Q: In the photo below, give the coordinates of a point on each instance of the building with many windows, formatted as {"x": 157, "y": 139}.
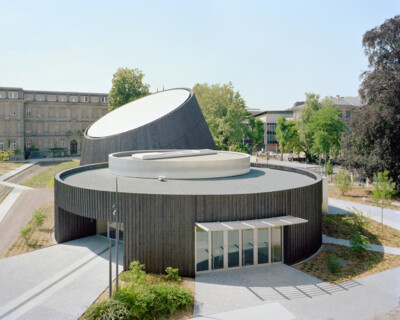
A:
{"x": 346, "y": 106}
{"x": 47, "y": 123}
{"x": 269, "y": 118}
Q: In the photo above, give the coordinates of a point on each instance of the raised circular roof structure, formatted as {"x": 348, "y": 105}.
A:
{"x": 138, "y": 113}
{"x": 169, "y": 119}
{"x": 179, "y": 164}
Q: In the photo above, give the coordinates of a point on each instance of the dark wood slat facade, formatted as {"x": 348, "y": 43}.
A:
{"x": 159, "y": 229}
{"x": 163, "y": 133}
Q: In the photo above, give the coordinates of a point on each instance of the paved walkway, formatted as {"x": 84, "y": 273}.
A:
{"x": 391, "y": 217}
{"x": 264, "y": 291}
{"x": 57, "y": 282}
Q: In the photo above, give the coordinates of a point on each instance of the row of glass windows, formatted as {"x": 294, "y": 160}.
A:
{"x": 237, "y": 248}
{"x": 42, "y": 97}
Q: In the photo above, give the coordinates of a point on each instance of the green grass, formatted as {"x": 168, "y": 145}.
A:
{"x": 45, "y": 179}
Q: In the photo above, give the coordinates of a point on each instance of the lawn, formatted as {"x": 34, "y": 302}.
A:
{"x": 343, "y": 226}
{"x": 8, "y": 166}
{"x": 45, "y": 179}
{"x": 39, "y": 237}
{"x": 336, "y": 264}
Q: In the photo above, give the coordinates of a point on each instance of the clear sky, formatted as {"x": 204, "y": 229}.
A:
{"x": 272, "y": 51}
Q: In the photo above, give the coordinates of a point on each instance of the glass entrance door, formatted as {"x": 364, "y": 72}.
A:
{"x": 237, "y": 248}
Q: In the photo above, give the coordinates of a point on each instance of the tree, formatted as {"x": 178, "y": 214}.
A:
{"x": 373, "y": 145}
{"x": 384, "y": 188}
{"x": 127, "y": 85}
{"x": 5, "y": 154}
{"x": 343, "y": 181}
{"x": 285, "y": 132}
{"x": 224, "y": 111}
{"x": 306, "y": 135}
{"x": 327, "y": 128}
{"x": 255, "y": 132}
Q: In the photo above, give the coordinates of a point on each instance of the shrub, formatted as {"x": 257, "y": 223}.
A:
{"x": 109, "y": 309}
{"x": 343, "y": 181}
{"x": 136, "y": 273}
{"x": 172, "y": 274}
{"x": 38, "y": 218}
{"x": 333, "y": 266}
{"x": 359, "y": 243}
{"x": 26, "y": 233}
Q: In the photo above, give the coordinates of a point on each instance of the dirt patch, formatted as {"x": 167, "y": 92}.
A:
{"x": 40, "y": 238}
{"x": 350, "y": 265}
{"x": 356, "y": 194}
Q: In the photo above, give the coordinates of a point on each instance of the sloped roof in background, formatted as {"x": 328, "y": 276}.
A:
{"x": 341, "y": 101}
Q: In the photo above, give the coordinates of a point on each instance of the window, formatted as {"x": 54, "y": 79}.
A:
{"x": 201, "y": 249}
{"x": 85, "y": 99}
{"x": 62, "y": 98}
{"x": 13, "y": 94}
{"x": 2, "y": 94}
{"x": 29, "y": 144}
{"x": 13, "y": 145}
{"x": 348, "y": 113}
{"x": 62, "y": 143}
{"x": 104, "y": 99}
{"x": 1, "y": 145}
{"x": 217, "y": 250}
{"x": 73, "y": 99}
{"x": 51, "y": 143}
{"x": 40, "y": 144}
{"x": 340, "y": 114}
{"x": 28, "y": 112}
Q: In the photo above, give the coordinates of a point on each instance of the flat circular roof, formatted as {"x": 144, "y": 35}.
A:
{"x": 138, "y": 113}
{"x": 258, "y": 180}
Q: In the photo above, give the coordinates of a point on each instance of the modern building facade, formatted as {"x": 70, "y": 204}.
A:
{"x": 47, "y": 123}
{"x": 197, "y": 210}
{"x": 270, "y": 118}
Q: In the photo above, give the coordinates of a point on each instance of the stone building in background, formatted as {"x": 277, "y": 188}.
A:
{"x": 346, "y": 105}
{"x": 47, "y": 123}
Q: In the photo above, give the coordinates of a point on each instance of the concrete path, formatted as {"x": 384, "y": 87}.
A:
{"x": 11, "y": 173}
{"x": 257, "y": 292}
{"x": 19, "y": 214}
{"x": 371, "y": 247}
{"x": 57, "y": 282}
{"x": 391, "y": 217}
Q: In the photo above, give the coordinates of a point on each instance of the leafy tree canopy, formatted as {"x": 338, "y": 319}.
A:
{"x": 224, "y": 111}
{"x": 320, "y": 128}
{"x": 374, "y": 143}
{"x": 255, "y": 132}
{"x": 127, "y": 85}
{"x": 286, "y": 134}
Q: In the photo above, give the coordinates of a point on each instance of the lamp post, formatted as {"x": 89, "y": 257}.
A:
{"x": 116, "y": 214}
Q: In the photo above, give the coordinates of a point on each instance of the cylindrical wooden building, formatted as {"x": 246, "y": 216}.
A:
{"x": 220, "y": 217}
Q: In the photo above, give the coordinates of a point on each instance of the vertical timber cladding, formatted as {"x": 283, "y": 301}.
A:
{"x": 159, "y": 229}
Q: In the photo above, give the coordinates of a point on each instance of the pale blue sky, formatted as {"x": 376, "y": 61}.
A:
{"x": 272, "y": 51}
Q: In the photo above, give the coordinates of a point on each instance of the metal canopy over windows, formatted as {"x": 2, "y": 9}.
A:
{"x": 251, "y": 224}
